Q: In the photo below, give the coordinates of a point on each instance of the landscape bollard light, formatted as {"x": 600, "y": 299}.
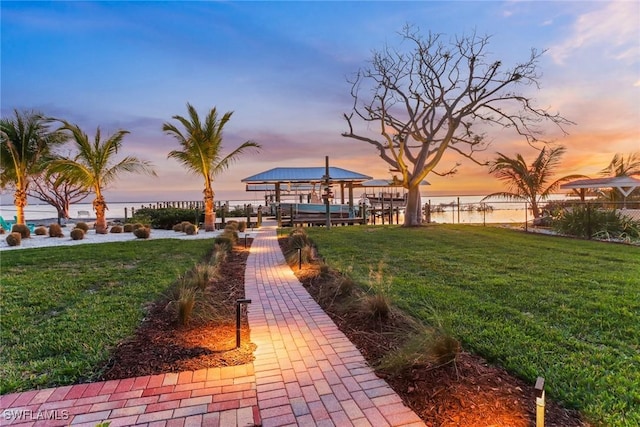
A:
{"x": 239, "y": 302}
{"x": 539, "y": 387}
{"x": 299, "y": 258}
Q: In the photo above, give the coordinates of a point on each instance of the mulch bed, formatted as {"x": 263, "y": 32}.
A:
{"x": 161, "y": 345}
{"x": 469, "y": 392}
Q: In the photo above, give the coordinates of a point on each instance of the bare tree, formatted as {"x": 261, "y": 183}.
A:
{"x": 55, "y": 190}
{"x": 435, "y": 97}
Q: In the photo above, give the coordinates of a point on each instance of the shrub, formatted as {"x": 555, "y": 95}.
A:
{"x": 83, "y": 226}
{"x": 14, "y": 239}
{"x": 2, "y": 231}
{"x": 77, "y": 234}
{"x": 128, "y": 228}
{"x": 55, "y": 230}
{"x": 232, "y": 226}
{"x": 142, "y": 232}
{"x": 137, "y": 225}
{"x": 242, "y": 226}
{"x": 587, "y": 221}
{"x": 24, "y": 231}
{"x": 41, "y": 231}
{"x": 178, "y": 228}
{"x": 231, "y": 235}
{"x": 116, "y": 229}
{"x": 191, "y": 229}
{"x": 165, "y": 218}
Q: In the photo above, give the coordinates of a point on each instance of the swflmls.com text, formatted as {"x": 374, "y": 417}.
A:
{"x": 29, "y": 415}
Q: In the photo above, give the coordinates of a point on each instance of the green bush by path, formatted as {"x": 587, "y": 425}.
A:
{"x": 63, "y": 309}
{"x": 564, "y": 309}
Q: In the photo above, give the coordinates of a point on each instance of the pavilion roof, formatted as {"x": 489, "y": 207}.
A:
{"x": 305, "y": 174}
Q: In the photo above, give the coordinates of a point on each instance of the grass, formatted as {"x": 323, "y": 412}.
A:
{"x": 63, "y": 309}
{"x": 564, "y": 309}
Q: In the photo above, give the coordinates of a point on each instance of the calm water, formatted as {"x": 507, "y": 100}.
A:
{"x": 466, "y": 212}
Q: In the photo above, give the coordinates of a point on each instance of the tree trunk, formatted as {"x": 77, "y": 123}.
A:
{"x": 209, "y": 211}
{"x": 535, "y": 209}
{"x": 100, "y": 208}
{"x": 412, "y": 216}
{"x": 20, "y": 201}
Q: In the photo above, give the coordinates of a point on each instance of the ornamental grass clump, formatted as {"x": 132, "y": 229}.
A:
{"x": 242, "y": 226}
{"x": 377, "y": 303}
{"x": 24, "y": 231}
{"x": 2, "y": 231}
{"x": 142, "y": 232}
{"x": 116, "y": 229}
{"x": 55, "y": 230}
{"x": 191, "y": 230}
{"x": 41, "y": 231}
{"x": 128, "y": 228}
{"x": 77, "y": 234}
{"x": 178, "y": 228}
{"x": 203, "y": 274}
{"x": 14, "y": 239}
{"x": 223, "y": 243}
{"x": 83, "y": 226}
{"x": 425, "y": 348}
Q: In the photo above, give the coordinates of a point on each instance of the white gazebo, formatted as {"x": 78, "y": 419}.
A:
{"x": 624, "y": 184}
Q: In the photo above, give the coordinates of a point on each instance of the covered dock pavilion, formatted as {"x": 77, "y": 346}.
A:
{"x": 624, "y": 184}
{"x": 292, "y": 178}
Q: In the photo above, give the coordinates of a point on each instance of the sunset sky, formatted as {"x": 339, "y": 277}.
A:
{"x": 282, "y": 67}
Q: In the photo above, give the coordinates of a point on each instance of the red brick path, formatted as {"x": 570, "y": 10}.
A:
{"x": 306, "y": 373}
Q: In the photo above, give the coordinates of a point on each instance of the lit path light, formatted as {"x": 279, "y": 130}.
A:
{"x": 540, "y": 402}
{"x": 307, "y": 371}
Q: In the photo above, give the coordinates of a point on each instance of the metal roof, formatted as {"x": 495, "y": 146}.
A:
{"x": 386, "y": 183}
{"x": 626, "y": 184}
{"x": 310, "y": 174}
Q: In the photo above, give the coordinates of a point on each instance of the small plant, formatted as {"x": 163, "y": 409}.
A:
{"x": 137, "y": 225}
{"x": 83, "y": 226}
{"x": 378, "y": 303}
{"x": 223, "y": 243}
{"x": 128, "y": 228}
{"x": 191, "y": 229}
{"x": 185, "y": 305}
{"x": 231, "y": 235}
{"x": 77, "y": 234}
{"x": 116, "y": 229}
{"x": 184, "y": 225}
{"x": 425, "y": 348}
{"x": 242, "y": 226}
{"x": 219, "y": 254}
{"x": 2, "y": 231}
{"x": 232, "y": 225}
{"x": 55, "y": 230}
{"x": 202, "y": 274}
{"x": 41, "y": 231}
{"x": 14, "y": 239}
{"x": 178, "y": 228}
{"x": 24, "y": 231}
{"x": 142, "y": 232}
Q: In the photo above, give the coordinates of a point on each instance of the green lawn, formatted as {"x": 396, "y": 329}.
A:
{"x": 62, "y": 309}
{"x": 564, "y": 309}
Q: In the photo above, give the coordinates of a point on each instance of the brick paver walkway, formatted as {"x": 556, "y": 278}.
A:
{"x": 305, "y": 373}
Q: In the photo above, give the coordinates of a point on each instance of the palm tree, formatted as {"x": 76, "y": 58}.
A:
{"x": 25, "y": 145}
{"x": 618, "y": 167}
{"x": 94, "y": 166}
{"x": 621, "y": 167}
{"x": 529, "y": 182}
{"x": 201, "y": 145}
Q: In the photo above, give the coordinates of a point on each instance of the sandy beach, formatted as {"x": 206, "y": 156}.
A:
{"x": 92, "y": 238}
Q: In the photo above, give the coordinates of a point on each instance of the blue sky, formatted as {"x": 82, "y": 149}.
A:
{"x": 282, "y": 67}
